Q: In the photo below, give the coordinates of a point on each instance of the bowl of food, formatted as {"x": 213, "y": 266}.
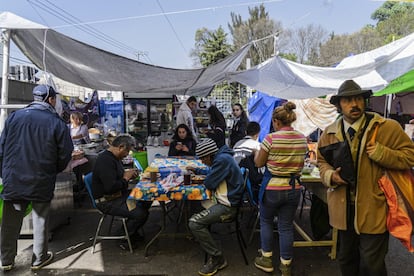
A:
{"x": 94, "y": 133}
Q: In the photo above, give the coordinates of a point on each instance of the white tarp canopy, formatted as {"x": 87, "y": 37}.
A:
{"x": 87, "y": 66}
{"x": 290, "y": 80}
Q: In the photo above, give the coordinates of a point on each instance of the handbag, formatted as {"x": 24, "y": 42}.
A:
{"x": 398, "y": 188}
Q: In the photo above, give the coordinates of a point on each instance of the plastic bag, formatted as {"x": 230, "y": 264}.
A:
{"x": 28, "y": 210}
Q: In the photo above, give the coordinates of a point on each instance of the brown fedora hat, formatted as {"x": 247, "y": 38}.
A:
{"x": 350, "y": 88}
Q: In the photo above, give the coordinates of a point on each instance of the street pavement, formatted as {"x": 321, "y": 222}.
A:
{"x": 176, "y": 254}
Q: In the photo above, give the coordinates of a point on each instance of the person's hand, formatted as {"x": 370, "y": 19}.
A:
{"x": 179, "y": 146}
{"x": 130, "y": 174}
{"x": 336, "y": 178}
{"x": 184, "y": 148}
{"x": 371, "y": 147}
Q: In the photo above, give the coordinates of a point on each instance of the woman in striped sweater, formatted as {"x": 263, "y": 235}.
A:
{"x": 283, "y": 152}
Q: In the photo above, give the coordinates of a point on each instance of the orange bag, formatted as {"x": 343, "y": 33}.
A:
{"x": 398, "y": 188}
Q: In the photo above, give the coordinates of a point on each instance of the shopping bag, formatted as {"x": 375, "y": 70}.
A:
{"x": 398, "y": 188}
{"x": 319, "y": 218}
{"x": 28, "y": 210}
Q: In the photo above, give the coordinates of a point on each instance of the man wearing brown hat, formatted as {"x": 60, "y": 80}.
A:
{"x": 350, "y": 166}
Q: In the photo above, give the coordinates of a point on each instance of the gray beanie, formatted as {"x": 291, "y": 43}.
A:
{"x": 206, "y": 147}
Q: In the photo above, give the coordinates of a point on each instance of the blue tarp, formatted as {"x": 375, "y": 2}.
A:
{"x": 260, "y": 109}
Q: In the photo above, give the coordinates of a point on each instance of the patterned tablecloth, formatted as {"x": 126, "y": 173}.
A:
{"x": 150, "y": 191}
{"x": 181, "y": 163}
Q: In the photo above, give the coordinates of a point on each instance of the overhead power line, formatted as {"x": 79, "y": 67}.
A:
{"x": 172, "y": 27}
{"x": 65, "y": 16}
{"x": 169, "y": 13}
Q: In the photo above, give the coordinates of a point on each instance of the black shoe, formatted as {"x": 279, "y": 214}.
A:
{"x": 48, "y": 260}
{"x": 214, "y": 264}
{"x": 7, "y": 268}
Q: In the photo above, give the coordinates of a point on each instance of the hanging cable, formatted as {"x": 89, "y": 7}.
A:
{"x": 172, "y": 27}
{"x": 68, "y": 18}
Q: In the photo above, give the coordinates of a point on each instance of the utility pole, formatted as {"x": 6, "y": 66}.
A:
{"x": 141, "y": 54}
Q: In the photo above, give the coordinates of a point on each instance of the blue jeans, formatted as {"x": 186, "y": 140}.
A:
{"x": 282, "y": 204}
{"x": 199, "y": 225}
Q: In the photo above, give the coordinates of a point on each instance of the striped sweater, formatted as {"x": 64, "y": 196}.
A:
{"x": 287, "y": 149}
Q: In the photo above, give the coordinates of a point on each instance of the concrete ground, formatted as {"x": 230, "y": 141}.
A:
{"x": 174, "y": 254}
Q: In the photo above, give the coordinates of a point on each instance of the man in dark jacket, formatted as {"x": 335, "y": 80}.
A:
{"x": 225, "y": 180}
{"x": 35, "y": 146}
{"x": 110, "y": 187}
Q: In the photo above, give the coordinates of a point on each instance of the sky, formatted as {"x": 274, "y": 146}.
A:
{"x": 161, "y": 32}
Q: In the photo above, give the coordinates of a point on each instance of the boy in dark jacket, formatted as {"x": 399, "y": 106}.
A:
{"x": 225, "y": 180}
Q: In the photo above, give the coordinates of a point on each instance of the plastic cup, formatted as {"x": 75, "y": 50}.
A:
{"x": 187, "y": 179}
{"x": 153, "y": 176}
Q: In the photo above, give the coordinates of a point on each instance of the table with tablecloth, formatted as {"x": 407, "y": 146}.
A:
{"x": 154, "y": 191}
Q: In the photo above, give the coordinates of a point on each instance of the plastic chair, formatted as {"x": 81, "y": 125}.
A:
{"x": 88, "y": 184}
{"x": 255, "y": 206}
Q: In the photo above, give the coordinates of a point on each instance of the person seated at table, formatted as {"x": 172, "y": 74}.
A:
{"x": 225, "y": 180}
{"x": 78, "y": 130}
{"x": 110, "y": 187}
{"x": 244, "y": 151}
{"x": 183, "y": 143}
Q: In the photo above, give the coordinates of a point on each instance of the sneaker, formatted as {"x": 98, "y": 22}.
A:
{"x": 285, "y": 269}
{"x": 6, "y": 268}
{"x": 45, "y": 262}
{"x": 214, "y": 264}
{"x": 264, "y": 263}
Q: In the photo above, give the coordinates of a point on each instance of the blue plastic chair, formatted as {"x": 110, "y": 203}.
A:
{"x": 88, "y": 184}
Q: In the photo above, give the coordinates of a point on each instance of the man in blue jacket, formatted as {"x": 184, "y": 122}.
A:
{"x": 35, "y": 146}
{"x": 225, "y": 181}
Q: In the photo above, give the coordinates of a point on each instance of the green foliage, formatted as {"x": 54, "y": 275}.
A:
{"x": 391, "y": 8}
{"x": 211, "y": 46}
{"x": 289, "y": 56}
{"x": 257, "y": 26}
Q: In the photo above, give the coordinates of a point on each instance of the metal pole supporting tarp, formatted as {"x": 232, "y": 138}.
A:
{"x": 5, "y": 37}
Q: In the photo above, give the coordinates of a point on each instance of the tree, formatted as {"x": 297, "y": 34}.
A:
{"x": 210, "y": 46}
{"x": 334, "y": 50}
{"x": 257, "y": 27}
{"x": 394, "y": 20}
{"x": 305, "y": 43}
{"x": 390, "y": 8}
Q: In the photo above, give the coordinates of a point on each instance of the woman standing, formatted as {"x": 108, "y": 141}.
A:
{"x": 238, "y": 131}
{"x": 283, "y": 153}
{"x": 78, "y": 130}
{"x": 218, "y": 126}
{"x": 183, "y": 142}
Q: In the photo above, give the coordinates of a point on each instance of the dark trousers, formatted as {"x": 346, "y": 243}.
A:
{"x": 362, "y": 254}
{"x": 118, "y": 207}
